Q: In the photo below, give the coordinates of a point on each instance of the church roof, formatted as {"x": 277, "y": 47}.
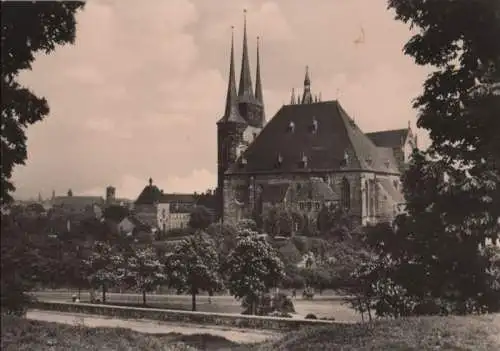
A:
{"x": 389, "y": 138}
{"x": 321, "y": 133}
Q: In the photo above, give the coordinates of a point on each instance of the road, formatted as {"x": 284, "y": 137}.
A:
{"x": 152, "y": 327}
{"x": 322, "y": 307}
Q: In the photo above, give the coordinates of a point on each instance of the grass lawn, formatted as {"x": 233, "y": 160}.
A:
{"x": 419, "y": 334}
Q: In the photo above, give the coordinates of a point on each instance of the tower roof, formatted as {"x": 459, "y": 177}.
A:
{"x": 245, "y": 90}
{"x": 307, "y": 97}
{"x": 231, "y": 113}
{"x": 258, "y": 83}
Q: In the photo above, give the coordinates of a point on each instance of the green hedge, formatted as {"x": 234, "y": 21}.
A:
{"x": 204, "y": 318}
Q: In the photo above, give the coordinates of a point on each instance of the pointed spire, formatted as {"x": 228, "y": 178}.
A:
{"x": 319, "y": 97}
{"x": 231, "y": 113}
{"x": 258, "y": 84}
{"x": 292, "y": 99}
{"x": 245, "y": 87}
{"x": 307, "y": 96}
{"x": 307, "y": 80}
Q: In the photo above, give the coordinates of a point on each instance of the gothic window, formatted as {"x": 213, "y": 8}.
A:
{"x": 301, "y": 205}
{"x": 317, "y": 205}
{"x": 346, "y": 194}
{"x": 309, "y": 206}
{"x": 367, "y": 198}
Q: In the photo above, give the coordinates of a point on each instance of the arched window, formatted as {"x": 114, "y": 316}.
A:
{"x": 346, "y": 194}
{"x": 367, "y": 199}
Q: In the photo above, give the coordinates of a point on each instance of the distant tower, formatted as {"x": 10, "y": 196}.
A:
{"x": 110, "y": 194}
{"x": 70, "y": 192}
{"x": 53, "y": 194}
{"x": 40, "y": 199}
{"x": 307, "y": 97}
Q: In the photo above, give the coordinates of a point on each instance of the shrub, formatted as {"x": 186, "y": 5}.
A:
{"x": 281, "y": 304}
{"x": 311, "y": 316}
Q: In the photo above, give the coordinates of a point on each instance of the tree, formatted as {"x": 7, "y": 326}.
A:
{"x": 453, "y": 189}
{"x": 105, "y": 266}
{"x": 252, "y": 268}
{"x": 50, "y": 24}
{"x": 277, "y": 221}
{"x": 144, "y": 271}
{"x": 200, "y": 218}
{"x": 194, "y": 267}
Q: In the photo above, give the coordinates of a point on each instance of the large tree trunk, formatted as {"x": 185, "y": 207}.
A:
{"x": 104, "y": 293}
{"x": 144, "y": 297}
{"x": 193, "y": 299}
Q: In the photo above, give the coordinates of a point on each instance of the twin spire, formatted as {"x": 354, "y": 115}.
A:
{"x": 245, "y": 91}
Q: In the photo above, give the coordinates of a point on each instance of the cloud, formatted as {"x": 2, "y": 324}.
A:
{"x": 139, "y": 92}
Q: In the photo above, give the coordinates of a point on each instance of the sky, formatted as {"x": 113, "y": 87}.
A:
{"x": 140, "y": 91}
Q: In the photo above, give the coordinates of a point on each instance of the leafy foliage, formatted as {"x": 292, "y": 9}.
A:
{"x": 105, "y": 265}
{"x": 200, "y": 218}
{"x": 144, "y": 271}
{"x": 431, "y": 260}
{"x": 277, "y": 221}
{"x": 195, "y": 267}
{"x": 253, "y": 267}
{"x": 50, "y": 24}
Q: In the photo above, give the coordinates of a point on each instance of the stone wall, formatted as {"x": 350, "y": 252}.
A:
{"x": 201, "y": 318}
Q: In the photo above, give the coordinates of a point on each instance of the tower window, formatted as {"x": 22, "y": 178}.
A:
{"x": 346, "y": 194}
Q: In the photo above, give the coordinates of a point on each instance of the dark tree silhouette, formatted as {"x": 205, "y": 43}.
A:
{"x": 27, "y": 28}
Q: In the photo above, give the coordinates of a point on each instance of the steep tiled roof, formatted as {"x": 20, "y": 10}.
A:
{"x": 76, "y": 203}
{"x": 149, "y": 195}
{"x": 292, "y": 134}
{"x": 389, "y": 138}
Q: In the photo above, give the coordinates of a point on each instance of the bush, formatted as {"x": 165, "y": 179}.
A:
{"x": 311, "y": 316}
{"x": 281, "y": 303}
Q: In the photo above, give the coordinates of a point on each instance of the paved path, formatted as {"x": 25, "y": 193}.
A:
{"x": 152, "y": 327}
{"x": 325, "y": 307}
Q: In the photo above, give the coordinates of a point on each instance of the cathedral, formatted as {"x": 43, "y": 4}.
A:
{"x": 310, "y": 154}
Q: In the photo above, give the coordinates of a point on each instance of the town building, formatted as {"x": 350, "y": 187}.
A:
{"x": 310, "y": 154}
{"x": 163, "y": 211}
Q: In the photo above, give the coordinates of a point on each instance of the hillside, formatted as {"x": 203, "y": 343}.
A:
{"x": 426, "y": 333}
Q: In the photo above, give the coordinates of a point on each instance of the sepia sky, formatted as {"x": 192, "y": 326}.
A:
{"x": 139, "y": 93}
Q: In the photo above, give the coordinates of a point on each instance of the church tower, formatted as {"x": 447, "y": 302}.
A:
{"x": 244, "y": 115}
{"x": 230, "y": 130}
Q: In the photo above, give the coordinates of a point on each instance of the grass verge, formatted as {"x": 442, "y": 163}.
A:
{"x": 19, "y": 334}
